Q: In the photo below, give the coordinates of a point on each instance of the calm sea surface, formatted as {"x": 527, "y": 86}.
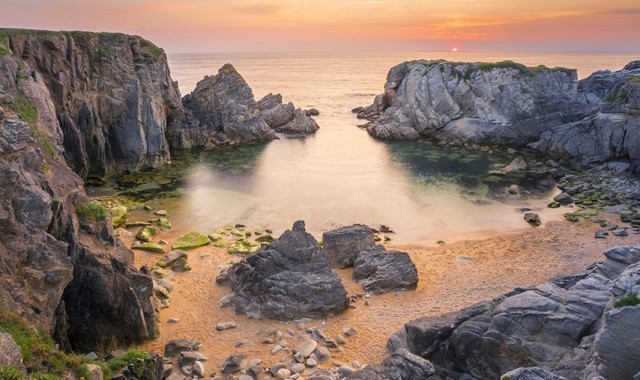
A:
{"x": 341, "y": 176}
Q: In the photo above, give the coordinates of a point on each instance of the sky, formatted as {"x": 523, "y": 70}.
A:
{"x": 356, "y": 25}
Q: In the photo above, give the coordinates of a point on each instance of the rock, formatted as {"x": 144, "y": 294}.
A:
{"x": 118, "y": 215}
{"x": 311, "y": 363}
{"x": 10, "y": 353}
{"x": 286, "y": 280}
{"x": 147, "y": 233}
{"x": 478, "y": 103}
{"x": 276, "y": 368}
{"x": 297, "y": 368}
{"x": 234, "y": 363}
{"x": 148, "y": 247}
{"x": 620, "y": 233}
{"x": 165, "y": 224}
{"x": 173, "y": 320}
{"x": 162, "y": 212}
{"x": 340, "y": 340}
{"x": 221, "y": 326}
{"x": 306, "y": 348}
{"x": 91, "y": 356}
{"x": 401, "y": 365}
{"x": 517, "y": 164}
{"x": 601, "y": 234}
{"x": 349, "y": 331}
{"x": 313, "y": 112}
{"x": 198, "y": 369}
{"x": 283, "y": 374}
{"x": 176, "y": 346}
{"x": 380, "y": 271}
{"x": 323, "y": 354}
{"x": 513, "y": 190}
{"x": 180, "y": 265}
{"x": 170, "y": 258}
{"x": 285, "y": 118}
{"x": 533, "y": 373}
{"x": 532, "y": 218}
{"x": 563, "y": 198}
{"x": 242, "y": 247}
{"x": 345, "y": 371}
{"x": 189, "y": 357}
{"x": 190, "y": 240}
{"x": 95, "y": 371}
{"x": 342, "y": 245}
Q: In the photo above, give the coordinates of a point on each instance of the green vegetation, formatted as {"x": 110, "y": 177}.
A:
{"x": 139, "y": 359}
{"x": 621, "y": 96}
{"x": 47, "y": 376}
{"x": 150, "y": 50}
{"x": 104, "y": 52}
{"x": 29, "y": 114}
{"x": 11, "y": 373}
{"x": 92, "y": 212}
{"x": 20, "y": 76}
{"x": 635, "y": 79}
{"x": 630, "y": 300}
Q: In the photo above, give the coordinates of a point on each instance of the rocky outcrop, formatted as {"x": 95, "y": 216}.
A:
{"x": 611, "y": 131}
{"x": 381, "y": 271}
{"x": 288, "y": 279}
{"x": 342, "y": 245}
{"x": 225, "y": 108}
{"x": 401, "y": 365}
{"x": 570, "y": 327}
{"x": 481, "y": 103}
{"x": 46, "y": 252}
{"x": 10, "y": 353}
{"x": 110, "y": 96}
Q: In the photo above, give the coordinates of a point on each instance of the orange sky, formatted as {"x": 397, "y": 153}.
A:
{"x": 290, "y": 25}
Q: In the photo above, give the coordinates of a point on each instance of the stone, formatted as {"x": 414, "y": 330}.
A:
{"x": 283, "y": 374}
{"x": 146, "y": 233}
{"x": 306, "y": 348}
{"x": 532, "y": 373}
{"x": 91, "y": 356}
{"x": 342, "y": 245}
{"x": 173, "y": 320}
{"x": 95, "y": 371}
{"x": 180, "y": 265}
{"x": 532, "y": 218}
{"x": 345, "y": 371}
{"x": 380, "y": 271}
{"x": 340, "y": 340}
{"x": 513, "y": 190}
{"x": 119, "y": 215}
{"x": 161, "y": 212}
{"x": 234, "y": 363}
{"x": 222, "y": 326}
{"x": 10, "y": 353}
{"x": 170, "y": 258}
{"x": 190, "y": 240}
{"x": 198, "y": 369}
{"x": 297, "y": 368}
{"x": 277, "y": 367}
{"x": 620, "y": 233}
{"x": 176, "y": 346}
{"x": 288, "y": 279}
{"x": 349, "y": 331}
{"x": 311, "y": 363}
{"x": 601, "y": 234}
{"x": 148, "y": 247}
{"x": 563, "y": 198}
{"x": 517, "y": 164}
{"x": 323, "y": 354}
{"x": 242, "y": 247}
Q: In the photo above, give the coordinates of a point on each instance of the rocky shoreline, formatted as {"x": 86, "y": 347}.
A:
{"x": 77, "y": 106}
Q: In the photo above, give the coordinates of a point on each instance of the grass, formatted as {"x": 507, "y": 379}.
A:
{"x": 621, "y": 96}
{"x": 11, "y": 373}
{"x": 630, "y": 300}
{"x": 29, "y": 114}
{"x": 150, "y": 50}
{"x": 635, "y": 79}
{"x": 92, "y": 212}
{"x": 138, "y": 359}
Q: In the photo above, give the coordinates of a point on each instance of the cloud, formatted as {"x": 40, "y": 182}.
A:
{"x": 629, "y": 11}
{"x": 259, "y": 9}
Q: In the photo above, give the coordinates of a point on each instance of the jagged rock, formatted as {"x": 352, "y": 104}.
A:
{"x": 380, "y": 271}
{"x": 176, "y": 346}
{"x": 10, "y": 353}
{"x": 342, "y": 245}
{"x": 234, "y": 363}
{"x": 301, "y": 124}
{"x": 287, "y": 279}
{"x": 225, "y": 103}
{"x": 401, "y": 365}
{"x": 533, "y": 373}
{"x": 503, "y": 103}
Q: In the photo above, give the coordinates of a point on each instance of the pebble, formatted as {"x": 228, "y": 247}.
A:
{"x": 367, "y": 303}
{"x": 226, "y": 325}
{"x": 241, "y": 342}
{"x": 349, "y": 331}
{"x": 297, "y": 368}
{"x": 306, "y": 348}
{"x": 330, "y": 344}
{"x": 277, "y": 367}
{"x": 356, "y": 364}
{"x": 323, "y": 354}
{"x": 277, "y": 348}
{"x": 620, "y": 233}
{"x": 198, "y": 369}
{"x": 283, "y": 373}
{"x": 311, "y": 363}
{"x": 340, "y": 339}
{"x": 173, "y": 320}
{"x": 345, "y": 370}
{"x": 298, "y": 357}
{"x": 601, "y": 234}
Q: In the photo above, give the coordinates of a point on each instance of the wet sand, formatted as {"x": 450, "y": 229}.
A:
{"x": 452, "y": 276}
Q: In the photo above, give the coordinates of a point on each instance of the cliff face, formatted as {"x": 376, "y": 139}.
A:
{"x": 64, "y": 274}
{"x": 612, "y": 129}
{"x": 504, "y": 103}
{"x": 112, "y": 94}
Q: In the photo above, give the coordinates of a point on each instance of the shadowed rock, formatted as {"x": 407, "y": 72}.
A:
{"x": 342, "y": 245}
{"x": 401, "y": 365}
{"x": 381, "y": 271}
{"x": 288, "y": 279}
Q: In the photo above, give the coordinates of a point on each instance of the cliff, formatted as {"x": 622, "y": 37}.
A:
{"x": 481, "y": 103}
{"x": 112, "y": 95}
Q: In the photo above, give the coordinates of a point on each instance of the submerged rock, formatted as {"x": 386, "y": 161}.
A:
{"x": 286, "y": 280}
{"x": 190, "y": 240}
{"x": 380, "y": 271}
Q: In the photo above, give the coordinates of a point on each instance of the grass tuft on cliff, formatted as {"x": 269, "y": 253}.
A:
{"x": 150, "y": 50}
{"x": 92, "y": 212}
{"x": 630, "y": 300}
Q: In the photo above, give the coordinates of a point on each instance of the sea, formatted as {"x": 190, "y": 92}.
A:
{"x": 424, "y": 192}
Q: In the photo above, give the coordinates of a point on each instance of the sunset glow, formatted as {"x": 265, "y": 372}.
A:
{"x": 249, "y": 25}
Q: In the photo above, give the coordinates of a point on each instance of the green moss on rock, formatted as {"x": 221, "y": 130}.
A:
{"x": 147, "y": 233}
{"x": 148, "y": 247}
{"x": 190, "y": 240}
{"x": 92, "y": 212}
{"x": 119, "y": 215}
{"x": 630, "y": 300}
{"x": 242, "y": 247}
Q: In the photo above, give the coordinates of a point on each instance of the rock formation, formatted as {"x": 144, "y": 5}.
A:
{"x": 288, "y": 279}
{"x": 503, "y": 103}
{"x": 612, "y": 128}
{"x": 380, "y": 271}
{"x": 571, "y": 327}
{"x": 342, "y": 245}
{"x": 225, "y": 109}
{"x": 66, "y": 275}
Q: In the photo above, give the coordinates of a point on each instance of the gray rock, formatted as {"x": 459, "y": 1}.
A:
{"x": 297, "y": 368}
{"x": 221, "y": 326}
{"x": 176, "y": 346}
{"x": 601, "y": 234}
{"x": 234, "y": 363}
{"x": 170, "y": 258}
{"x": 620, "y": 233}
{"x": 198, "y": 369}
{"x": 345, "y": 370}
{"x": 10, "y": 353}
{"x": 342, "y": 245}
{"x": 95, "y": 371}
{"x": 401, "y": 365}
{"x": 306, "y": 348}
{"x": 283, "y": 374}
{"x": 287, "y": 279}
{"x": 533, "y": 373}
{"x": 563, "y": 198}
{"x": 322, "y": 354}
{"x": 380, "y": 271}
{"x": 532, "y": 218}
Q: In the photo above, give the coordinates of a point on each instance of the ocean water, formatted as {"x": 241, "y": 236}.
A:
{"x": 340, "y": 175}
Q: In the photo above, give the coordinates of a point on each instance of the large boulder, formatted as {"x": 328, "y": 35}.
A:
{"x": 288, "y": 279}
{"x": 380, "y": 271}
{"x": 482, "y": 103}
{"x": 342, "y": 245}
{"x": 10, "y": 353}
{"x": 401, "y": 365}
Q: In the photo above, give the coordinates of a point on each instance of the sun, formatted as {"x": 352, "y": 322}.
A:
{"x": 454, "y": 50}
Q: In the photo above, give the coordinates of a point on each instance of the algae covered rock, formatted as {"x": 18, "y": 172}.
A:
{"x": 242, "y": 247}
{"x": 147, "y": 233}
{"x": 119, "y": 215}
{"x": 149, "y": 247}
{"x": 190, "y": 240}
